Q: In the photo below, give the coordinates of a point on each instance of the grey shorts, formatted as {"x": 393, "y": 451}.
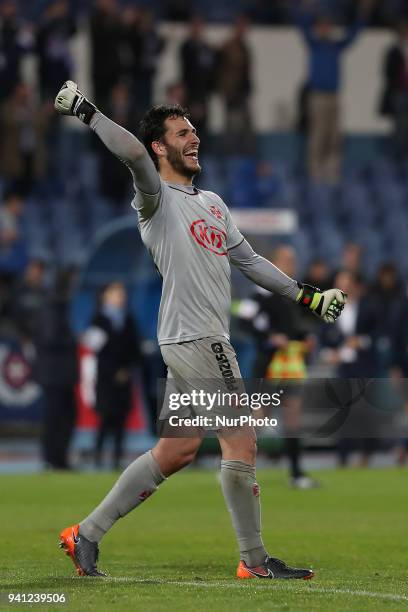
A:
{"x": 207, "y": 372}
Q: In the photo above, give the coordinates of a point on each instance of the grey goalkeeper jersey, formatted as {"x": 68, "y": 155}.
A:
{"x": 192, "y": 239}
{"x": 189, "y": 236}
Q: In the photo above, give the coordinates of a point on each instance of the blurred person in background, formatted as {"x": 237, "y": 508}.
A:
{"x": 349, "y": 348}
{"x": 27, "y": 300}
{"x": 13, "y": 252}
{"x": 56, "y": 370}
{"x": 144, "y": 46}
{"x": 352, "y": 258}
{"x": 53, "y": 37}
{"x": 282, "y": 344}
{"x": 114, "y": 338}
{"x": 15, "y": 39}
{"x": 394, "y": 102}
{"x": 24, "y": 126}
{"x": 106, "y": 38}
{"x": 198, "y": 73}
{"x": 234, "y": 86}
{"x": 176, "y": 93}
{"x": 318, "y": 274}
{"x": 399, "y": 362}
{"x": 386, "y": 297}
{"x": 324, "y": 81}
{"x": 349, "y": 345}
{"x": 114, "y": 179}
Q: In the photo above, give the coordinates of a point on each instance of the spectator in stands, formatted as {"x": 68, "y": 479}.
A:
{"x": 114, "y": 339}
{"x": 15, "y": 39}
{"x": 399, "y": 345}
{"x": 350, "y": 344}
{"x": 324, "y": 135}
{"x": 394, "y": 101}
{"x": 386, "y": 296}
{"x": 352, "y": 258}
{"x": 27, "y": 300}
{"x": 318, "y": 274}
{"x": 399, "y": 361}
{"x": 54, "y": 33}
{"x": 115, "y": 179}
{"x": 144, "y": 47}
{"x": 13, "y": 256}
{"x": 106, "y": 38}
{"x": 176, "y": 94}
{"x": 282, "y": 346}
{"x": 23, "y": 153}
{"x": 350, "y": 349}
{"x": 234, "y": 85}
{"x": 198, "y": 74}
{"x": 56, "y": 370}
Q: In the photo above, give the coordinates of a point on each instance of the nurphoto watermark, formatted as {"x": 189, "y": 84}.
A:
{"x": 287, "y": 408}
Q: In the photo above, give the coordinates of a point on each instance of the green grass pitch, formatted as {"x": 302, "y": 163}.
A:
{"x": 177, "y": 551}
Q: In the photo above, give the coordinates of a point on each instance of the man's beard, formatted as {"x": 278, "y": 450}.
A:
{"x": 176, "y": 161}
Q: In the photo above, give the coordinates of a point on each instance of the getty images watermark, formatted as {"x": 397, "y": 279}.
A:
{"x": 352, "y": 408}
{"x": 203, "y": 401}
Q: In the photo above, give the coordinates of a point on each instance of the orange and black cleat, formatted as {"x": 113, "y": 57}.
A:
{"x": 83, "y": 553}
{"x": 273, "y": 568}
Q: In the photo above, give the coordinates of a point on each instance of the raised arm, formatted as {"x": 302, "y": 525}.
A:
{"x": 351, "y": 34}
{"x": 327, "y": 305}
{"x": 364, "y": 10}
{"x": 124, "y": 145}
{"x": 129, "y": 150}
{"x": 303, "y": 17}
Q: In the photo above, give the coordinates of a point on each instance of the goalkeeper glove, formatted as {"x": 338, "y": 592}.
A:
{"x": 70, "y": 101}
{"x": 327, "y": 305}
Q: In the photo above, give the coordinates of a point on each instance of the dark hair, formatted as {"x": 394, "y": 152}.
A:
{"x": 152, "y": 125}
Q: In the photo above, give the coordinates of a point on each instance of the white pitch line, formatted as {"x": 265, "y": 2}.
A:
{"x": 229, "y": 585}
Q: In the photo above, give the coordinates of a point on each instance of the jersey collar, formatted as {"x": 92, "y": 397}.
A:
{"x": 190, "y": 189}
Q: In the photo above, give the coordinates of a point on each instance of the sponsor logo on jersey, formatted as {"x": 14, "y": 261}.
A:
{"x": 210, "y": 237}
{"x": 216, "y": 212}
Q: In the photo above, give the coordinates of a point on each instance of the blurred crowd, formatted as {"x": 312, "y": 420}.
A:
{"x": 125, "y": 50}
{"x": 369, "y": 341}
{"x": 262, "y": 12}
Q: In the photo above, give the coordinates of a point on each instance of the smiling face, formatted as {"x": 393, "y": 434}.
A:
{"x": 177, "y": 151}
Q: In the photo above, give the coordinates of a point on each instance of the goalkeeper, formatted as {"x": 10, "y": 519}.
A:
{"x": 193, "y": 240}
